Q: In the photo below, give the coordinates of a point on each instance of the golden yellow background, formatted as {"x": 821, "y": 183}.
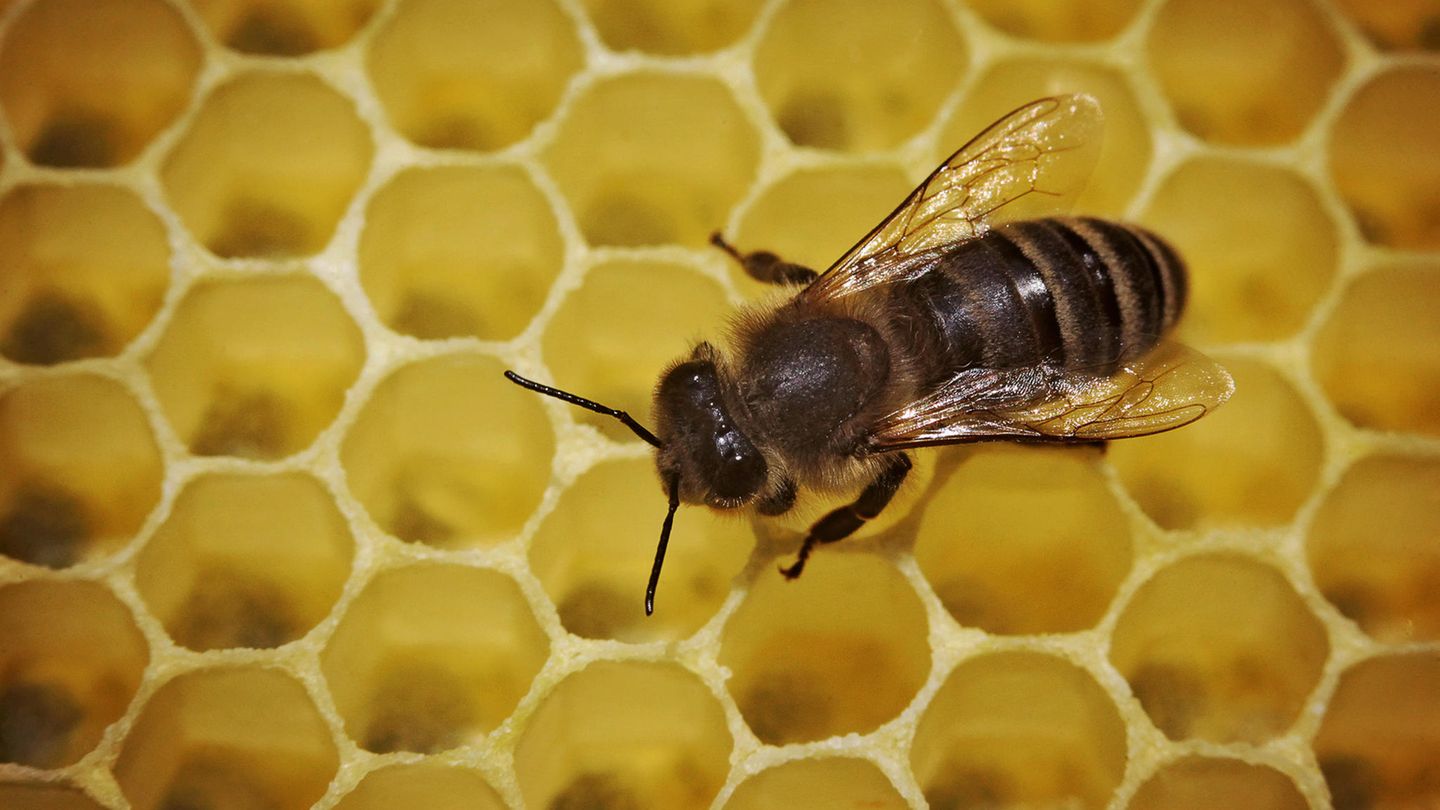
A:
{"x": 275, "y": 532}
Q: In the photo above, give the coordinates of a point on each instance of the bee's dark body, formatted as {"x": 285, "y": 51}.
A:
{"x": 1075, "y": 293}
{"x": 810, "y": 378}
{"x": 938, "y": 327}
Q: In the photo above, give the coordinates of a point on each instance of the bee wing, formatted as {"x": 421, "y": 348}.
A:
{"x": 1172, "y": 386}
{"x": 1028, "y": 162}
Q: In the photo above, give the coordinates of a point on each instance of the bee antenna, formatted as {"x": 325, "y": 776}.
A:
{"x": 674, "y": 484}
{"x": 589, "y": 405}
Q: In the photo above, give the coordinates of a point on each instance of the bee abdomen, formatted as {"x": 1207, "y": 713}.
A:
{"x": 1077, "y": 292}
{"x": 1118, "y": 288}
{"x": 1081, "y": 293}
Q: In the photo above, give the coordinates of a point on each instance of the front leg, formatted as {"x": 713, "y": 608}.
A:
{"x": 764, "y": 266}
{"x": 842, "y": 522}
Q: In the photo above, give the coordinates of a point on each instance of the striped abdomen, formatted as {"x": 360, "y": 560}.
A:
{"x": 1074, "y": 292}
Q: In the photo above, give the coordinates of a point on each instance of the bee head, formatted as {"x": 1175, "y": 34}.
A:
{"x": 700, "y": 443}
{"x": 699, "y": 450}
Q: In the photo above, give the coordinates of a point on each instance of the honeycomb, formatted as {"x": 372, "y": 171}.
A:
{"x": 275, "y": 533}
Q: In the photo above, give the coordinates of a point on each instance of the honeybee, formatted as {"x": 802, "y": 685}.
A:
{"x": 961, "y": 317}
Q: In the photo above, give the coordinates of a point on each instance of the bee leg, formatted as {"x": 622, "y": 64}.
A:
{"x": 764, "y": 266}
{"x": 842, "y": 522}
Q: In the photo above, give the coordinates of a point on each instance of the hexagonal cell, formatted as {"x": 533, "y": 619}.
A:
{"x": 432, "y": 656}
{"x": 818, "y": 782}
{"x": 1017, "y": 729}
{"x": 246, "y": 561}
{"x": 70, "y": 663}
{"x": 255, "y": 367}
{"x": 272, "y": 191}
{"x": 1125, "y": 148}
{"x": 1201, "y": 783}
{"x": 593, "y": 554}
{"x": 1241, "y": 73}
{"x": 857, "y": 76}
{"x": 45, "y": 797}
{"x": 81, "y": 470}
{"x": 627, "y": 322}
{"x": 424, "y": 784}
{"x": 1379, "y": 744}
{"x": 455, "y": 74}
{"x": 625, "y": 734}
{"x": 1400, "y": 25}
{"x": 1260, "y": 247}
{"x": 1382, "y": 157}
{"x": 1373, "y": 549}
{"x": 812, "y": 216}
{"x": 1058, "y": 20}
{"x": 1219, "y": 647}
{"x": 127, "y": 70}
{"x": 241, "y": 737}
{"x": 86, "y": 269}
{"x": 842, "y": 649}
{"x": 651, "y": 158}
{"x": 284, "y": 27}
{"x": 1378, "y": 355}
{"x": 999, "y": 563}
{"x": 1252, "y": 462}
{"x": 671, "y": 28}
{"x": 458, "y": 251}
{"x": 448, "y": 452}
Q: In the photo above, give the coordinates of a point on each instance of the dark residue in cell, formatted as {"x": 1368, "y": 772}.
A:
{"x": 37, "y": 723}
{"x": 45, "y": 524}
{"x": 54, "y": 328}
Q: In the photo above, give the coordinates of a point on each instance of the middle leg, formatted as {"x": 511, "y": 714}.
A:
{"x": 842, "y": 522}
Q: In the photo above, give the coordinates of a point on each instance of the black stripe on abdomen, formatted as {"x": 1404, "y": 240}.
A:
{"x": 1086, "y": 293}
{"x": 1138, "y": 277}
{"x": 1170, "y": 271}
{"x": 1035, "y": 295}
{"x": 1079, "y": 283}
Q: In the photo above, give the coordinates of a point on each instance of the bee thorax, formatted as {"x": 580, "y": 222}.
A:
{"x": 804, "y": 379}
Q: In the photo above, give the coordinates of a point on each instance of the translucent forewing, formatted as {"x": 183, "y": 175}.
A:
{"x": 1170, "y": 387}
{"x": 1030, "y": 162}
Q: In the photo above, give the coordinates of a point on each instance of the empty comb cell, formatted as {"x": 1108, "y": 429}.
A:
{"x": 1019, "y": 728}
{"x": 459, "y": 252}
{"x": 1200, "y": 658}
{"x": 826, "y": 655}
{"x": 1195, "y": 783}
{"x": 284, "y": 27}
{"x": 1258, "y": 84}
{"x": 72, "y": 659}
{"x": 234, "y": 736}
{"x": 1007, "y": 569}
{"x": 276, "y": 191}
{"x": 873, "y": 98}
{"x": 91, "y": 84}
{"x": 81, "y": 471}
{"x": 458, "y": 75}
{"x": 246, "y": 561}
{"x": 410, "y": 674}
{"x": 87, "y": 270}
{"x": 649, "y": 158}
{"x": 618, "y": 735}
{"x": 255, "y": 367}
